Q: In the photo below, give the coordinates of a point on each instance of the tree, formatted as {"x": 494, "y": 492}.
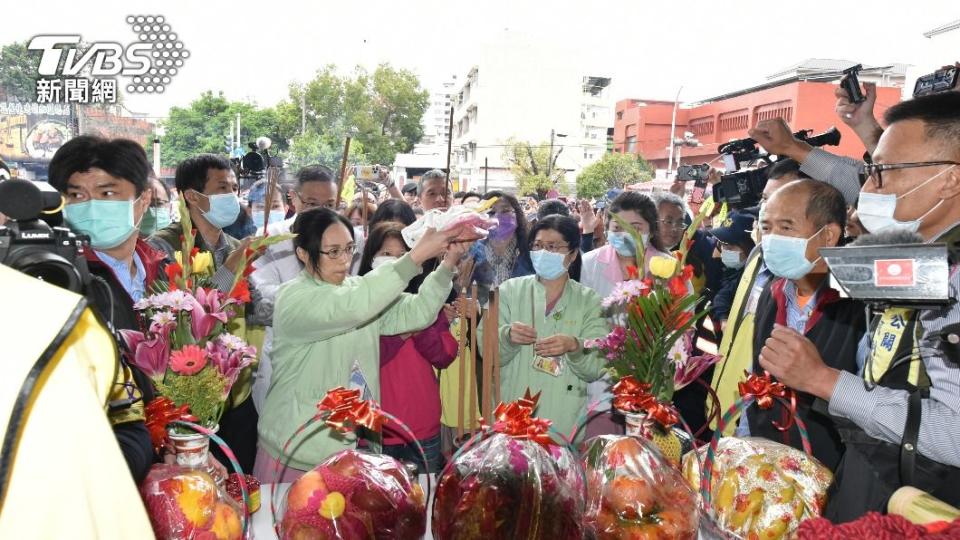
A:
{"x": 612, "y": 171}
{"x": 312, "y": 148}
{"x": 19, "y": 71}
{"x": 204, "y": 127}
{"x": 382, "y": 111}
{"x": 529, "y": 165}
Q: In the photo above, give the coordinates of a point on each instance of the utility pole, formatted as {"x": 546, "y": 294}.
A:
{"x": 550, "y": 156}
{"x": 238, "y": 131}
{"x": 673, "y": 129}
{"x": 303, "y": 112}
{"x": 485, "y": 171}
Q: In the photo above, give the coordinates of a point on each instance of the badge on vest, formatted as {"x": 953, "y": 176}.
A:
{"x": 551, "y": 365}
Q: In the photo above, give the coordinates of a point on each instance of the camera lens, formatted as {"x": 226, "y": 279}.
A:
{"x": 48, "y": 267}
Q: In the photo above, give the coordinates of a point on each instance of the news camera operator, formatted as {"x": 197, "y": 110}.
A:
{"x": 104, "y": 183}
{"x": 913, "y": 186}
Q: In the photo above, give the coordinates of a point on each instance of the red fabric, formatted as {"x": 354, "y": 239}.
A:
{"x": 153, "y": 260}
{"x": 409, "y": 388}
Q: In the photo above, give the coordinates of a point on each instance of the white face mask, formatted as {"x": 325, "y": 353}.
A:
{"x": 876, "y": 210}
{"x": 381, "y": 260}
{"x": 731, "y": 258}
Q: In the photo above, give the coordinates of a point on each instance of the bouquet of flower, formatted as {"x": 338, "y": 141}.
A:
{"x": 511, "y": 481}
{"x": 633, "y": 493}
{"x": 188, "y": 350}
{"x": 652, "y": 343}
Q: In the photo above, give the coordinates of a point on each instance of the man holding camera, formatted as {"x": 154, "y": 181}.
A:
{"x": 105, "y": 186}
{"x": 904, "y": 430}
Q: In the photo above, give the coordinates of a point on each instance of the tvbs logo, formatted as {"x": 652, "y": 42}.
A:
{"x": 148, "y": 64}
{"x": 104, "y": 59}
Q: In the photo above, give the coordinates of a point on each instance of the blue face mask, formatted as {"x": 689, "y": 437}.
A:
{"x": 276, "y": 216}
{"x": 224, "y": 209}
{"x": 155, "y": 219}
{"x": 786, "y": 256}
{"x": 731, "y": 258}
{"x": 547, "y": 264}
{"x": 107, "y": 223}
{"x": 624, "y": 244}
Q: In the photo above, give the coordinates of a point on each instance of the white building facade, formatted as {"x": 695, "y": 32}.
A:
{"x": 523, "y": 90}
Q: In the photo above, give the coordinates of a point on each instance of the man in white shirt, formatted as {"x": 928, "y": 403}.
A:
{"x": 315, "y": 188}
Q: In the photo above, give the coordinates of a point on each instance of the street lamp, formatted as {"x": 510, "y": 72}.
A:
{"x": 688, "y": 140}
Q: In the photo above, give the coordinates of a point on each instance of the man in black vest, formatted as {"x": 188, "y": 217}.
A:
{"x": 799, "y": 306}
{"x": 901, "y": 429}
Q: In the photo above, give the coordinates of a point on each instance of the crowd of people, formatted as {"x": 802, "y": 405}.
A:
{"x": 349, "y": 303}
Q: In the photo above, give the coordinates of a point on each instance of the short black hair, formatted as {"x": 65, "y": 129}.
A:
{"x": 552, "y": 207}
{"x": 120, "y": 158}
{"x": 570, "y": 230}
{"x": 469, "y": 194}
{"x": 393, "y": 210}
{"x": 643, "y": 205}
{"x": 378, "y": 236}
{"x": 940, "y": 114}
{"x": 785, "y": 166}
{"x": 192, "y": 172}
{"x": 314, "y": 173}
{"x": 409, "y": 187}
{"x": 310, "y": 226}
{"x": 825, "y": 203}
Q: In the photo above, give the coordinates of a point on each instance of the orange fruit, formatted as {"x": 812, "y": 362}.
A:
{"x": 226, "y": 523}
{"x": 304, "y": 488}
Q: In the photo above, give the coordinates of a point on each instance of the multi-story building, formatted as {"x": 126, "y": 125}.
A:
{"x": 526, "y": 91}
{"x": 803, "y": 95}
{"x": 437, "y": 116}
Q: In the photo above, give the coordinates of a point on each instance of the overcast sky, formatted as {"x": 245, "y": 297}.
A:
{"x": 649, "y": 47}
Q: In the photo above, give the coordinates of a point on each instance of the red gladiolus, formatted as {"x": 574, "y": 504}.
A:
{"x": 632, "y": 272}
{"x": 677, "y": 286}
{"x": 648, "y": 286}
{"x": 241, "y": 291}
{"x": 174, "y": 271}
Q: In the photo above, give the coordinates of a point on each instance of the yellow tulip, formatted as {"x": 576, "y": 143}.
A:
{"x": 663, "y": 267}
{"x": 202, "y": 262}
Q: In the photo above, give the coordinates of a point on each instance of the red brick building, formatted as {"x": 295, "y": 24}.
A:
{"x": 643, "y": 126}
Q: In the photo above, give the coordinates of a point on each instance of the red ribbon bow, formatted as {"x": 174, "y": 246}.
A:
{"x": 157, "y": 416}
{"x": 516, "y": 420}
{"x": 347, "y": 410}
{"x": 764, "y": 390}
{"x": 631, "y": 395}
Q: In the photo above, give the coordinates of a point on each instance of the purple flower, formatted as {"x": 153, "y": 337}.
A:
{"x": 206, "y": 312}
{"x": 229, "y": 362}
{"x": 150, "y": 353}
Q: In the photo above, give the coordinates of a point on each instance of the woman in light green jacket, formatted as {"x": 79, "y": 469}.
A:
{"x": 327, "y": 326}
{"x": 544, "y": 320}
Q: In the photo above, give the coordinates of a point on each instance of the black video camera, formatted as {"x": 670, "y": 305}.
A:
{"x": 743, "y": 187}
{"x": 851, "y": 84}
{"x": 941, "y": 80}
{"x": 29, "y": 245}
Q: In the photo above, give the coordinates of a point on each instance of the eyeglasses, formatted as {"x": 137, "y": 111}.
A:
{"x": 337, "y": 252}
{"x": 671, "y": 224}
{"x": 551, "y": 247}
{"x": 874, "y": 171}
{"x": 308, "y": 204}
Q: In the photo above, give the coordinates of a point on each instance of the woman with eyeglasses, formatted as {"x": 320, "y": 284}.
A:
{"x": 544, "y": 320}
{"x": 327, "y": 327}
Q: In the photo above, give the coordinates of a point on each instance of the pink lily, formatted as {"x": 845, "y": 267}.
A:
{"x": 206, "y": 313}
{"x": 229, "y": 363}
{"x": 149, "y": 353}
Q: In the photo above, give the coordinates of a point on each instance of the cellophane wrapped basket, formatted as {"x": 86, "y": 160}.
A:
{"x": 505, "y": 488}
{"x": 633, "y": 492}
{"x": 760, "y": 488}
{"x": 355, "y": 495}
{"x": 185, "y": 504}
